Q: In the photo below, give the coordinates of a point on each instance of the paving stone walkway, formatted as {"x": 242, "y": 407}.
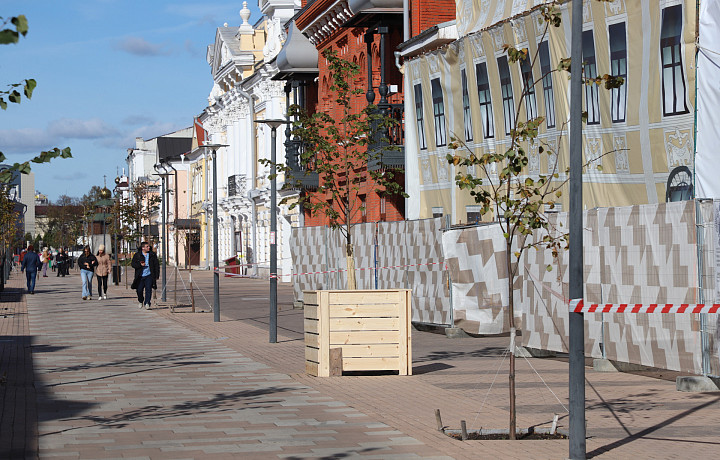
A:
{"x": 116, "y": 381}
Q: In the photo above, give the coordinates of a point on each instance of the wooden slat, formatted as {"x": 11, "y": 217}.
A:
{"x": 309, "y": 298}
{"x": 312, "y": 325}
{"x": 371, "y": 364}
{"x": 363, "y": 337}
{"x": 336, "y": 362}
{"x": 375, "y": 350}
{"x": 364, "y": 297}
{"x": 311, "y": 368}
{"x": 311, "y": 354}
{"x": 324, "y": 333}
{"x": 405, "y": 364}
{"x": 363, "y": 324}
{"x": 310, "y": 311}
{"x": 364, "y": 311}
{"x": 312, "y": 340}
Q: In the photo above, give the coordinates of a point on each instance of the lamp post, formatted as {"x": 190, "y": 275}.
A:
{"x": 216, "y": 255}
{"x": 162, "y": 171}
{"x": 273, "y": 124}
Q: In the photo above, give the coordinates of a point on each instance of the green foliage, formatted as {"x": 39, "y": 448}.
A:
{"x": 338, "y": 151}
{"x": 10, "y": 33}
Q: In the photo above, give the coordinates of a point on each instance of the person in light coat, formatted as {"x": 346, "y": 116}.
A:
{"x": 102, "y": 271}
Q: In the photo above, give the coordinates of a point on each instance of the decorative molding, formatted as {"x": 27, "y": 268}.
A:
{"x": 533, "y": 158}
{"x": 498, "y": 37}
{"x": 593, "y": 153}
{"x": 518, "y": 26}
{"x": 477, "y": 45}
{"x": 622, "y": 161}
{"x": 614, "y": 7}
{"x": 275, "y": 39}
{"x": 679, "y": 147}
{"x": 326, "y": 23}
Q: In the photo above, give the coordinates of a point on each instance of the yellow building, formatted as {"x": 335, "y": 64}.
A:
{"x": 634, "y": 138}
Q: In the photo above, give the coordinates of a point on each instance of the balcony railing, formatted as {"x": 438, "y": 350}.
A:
{"x": 388, "y": 151}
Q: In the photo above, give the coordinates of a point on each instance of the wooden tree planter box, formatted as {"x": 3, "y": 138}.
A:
{"x": 372, "y": 328}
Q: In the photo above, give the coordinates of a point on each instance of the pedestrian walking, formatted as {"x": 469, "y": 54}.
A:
{"x": 102, "y": 271}
{"x": 147, "y": 270}
{"x": 30, "y": 265}
{"x": 87, "y": 263}
{"x": 45, "y": 258}
{"x": 61, "y": 261}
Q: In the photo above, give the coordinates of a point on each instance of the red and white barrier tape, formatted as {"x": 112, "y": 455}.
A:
{"x": 326, "y": 272}
{"x": 577, "y": 306}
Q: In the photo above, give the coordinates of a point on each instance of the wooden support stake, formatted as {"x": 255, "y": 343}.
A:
{"x": 440, "y": 425}
{"x": 553, "y": 428}
{"x": 336, "y": 362}
{"x": 192, "y": 293}
{"x": 463, "y": 430}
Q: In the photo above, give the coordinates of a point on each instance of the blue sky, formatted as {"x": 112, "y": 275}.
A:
{"x": 107, "y": 71}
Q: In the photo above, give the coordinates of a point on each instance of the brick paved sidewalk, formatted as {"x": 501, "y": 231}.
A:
{"x": 113, "y": 381}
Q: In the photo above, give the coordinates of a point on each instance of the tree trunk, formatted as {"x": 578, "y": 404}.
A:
{"x": 511, "y": 319}
{"x": 351, "y": 283}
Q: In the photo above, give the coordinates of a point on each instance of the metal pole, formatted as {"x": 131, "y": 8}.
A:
{"x": 577, "y": 320}
{"x": 273, "y": 239}
{"x": 216, "y": 255}
{"x": 164, "y": 242}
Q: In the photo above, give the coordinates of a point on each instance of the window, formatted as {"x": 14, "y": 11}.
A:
{"x": 507, "y": 94}
{"x": 466, "y": 107}
{"x": 363, "y": 208}
{"x": 473, "y": 214}
{"x": 618, "y": 68}
{"x": 438, "y": 211}
{"x": 485, "y": 103}
{"x": 529, "y": 88}
{"x": 438, "y": 112}
{"x": 420, "y": 117}
{"x": 547, "y": 84}
{"x": 673, "y": 78}
{"x": 591, "y": 91}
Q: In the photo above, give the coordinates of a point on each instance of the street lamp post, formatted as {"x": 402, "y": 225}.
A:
{"x": 273, "y": 124}
{"x": 162, "y": 171}
{"x": 216, "y": 252}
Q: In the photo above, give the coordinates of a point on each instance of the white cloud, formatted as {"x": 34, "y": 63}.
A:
{"x": 73, "y": 128}
{"x": 138, "y": 46}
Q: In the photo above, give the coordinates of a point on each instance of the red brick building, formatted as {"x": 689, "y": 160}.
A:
{"x": 366, "y": 32}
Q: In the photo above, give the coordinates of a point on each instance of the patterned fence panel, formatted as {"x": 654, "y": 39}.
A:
{"x": 427, "y": 276}
{"x": 308, "y": 256}
{"x": 475, "y": 258}
{"x": 363, "y": 237}
{"x": 392, "y": 251}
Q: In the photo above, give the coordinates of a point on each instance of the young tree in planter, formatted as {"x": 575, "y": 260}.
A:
{"x": 338, "y": 149}
{"x": 513, "y": 198}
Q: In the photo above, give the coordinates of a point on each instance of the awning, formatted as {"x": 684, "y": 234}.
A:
{"x": 298, "y": 58}
{"x": 187, "y": 224}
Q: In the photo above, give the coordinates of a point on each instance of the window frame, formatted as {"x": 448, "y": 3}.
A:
{"x": 420, "y": 116}
{"x": 675, "y": 64}
{"x": 592, "y": 93}
{"x": 485, "y": 100}
{"x": 438, "y": 112}
{"x": 506, "y": 91}
{"x": 467, "y": 113}
{"x": 618, "y": 68}
{"x": 547, "y": 83}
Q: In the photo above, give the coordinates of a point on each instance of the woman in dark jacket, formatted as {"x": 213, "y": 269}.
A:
{"x": 147, "y": 270}
{"x": 87, "y": 263}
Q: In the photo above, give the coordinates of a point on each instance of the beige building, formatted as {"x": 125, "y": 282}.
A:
{"x": 636, "y": 137}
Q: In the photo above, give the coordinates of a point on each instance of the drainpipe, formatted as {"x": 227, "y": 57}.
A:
{"x": 251, "y": 103}
{"x": 406, "y": 20}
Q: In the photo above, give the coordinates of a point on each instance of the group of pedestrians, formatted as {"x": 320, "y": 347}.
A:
{"x": 145, "y": 262}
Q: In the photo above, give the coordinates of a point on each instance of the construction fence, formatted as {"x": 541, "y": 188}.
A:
{"x": 666, "y": 253}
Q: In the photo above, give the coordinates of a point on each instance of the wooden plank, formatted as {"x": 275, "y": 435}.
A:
{"x": 363, "y": 337}
{"x": 312, "y": 325}
{"x": 336, "y": 362}
{"x": 311, "y": 354}
{"x": 364, "y": 297}
{"x": 364, "y": 324}
{"x": 364, "y": 311}
{"x": 312, "y": 340}
{"x": 324, "y": 333}
{"x": 376, "y": 350}
{"x": 310, "y": 311}
{"x": 311, "y": 368}
{"x": 371, "y": 364}
{"x": 405, "y": 365}
{"x": 310, "y": 298}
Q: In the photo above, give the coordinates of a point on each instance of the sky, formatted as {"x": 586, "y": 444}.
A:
{"x": 107, "y": 71}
